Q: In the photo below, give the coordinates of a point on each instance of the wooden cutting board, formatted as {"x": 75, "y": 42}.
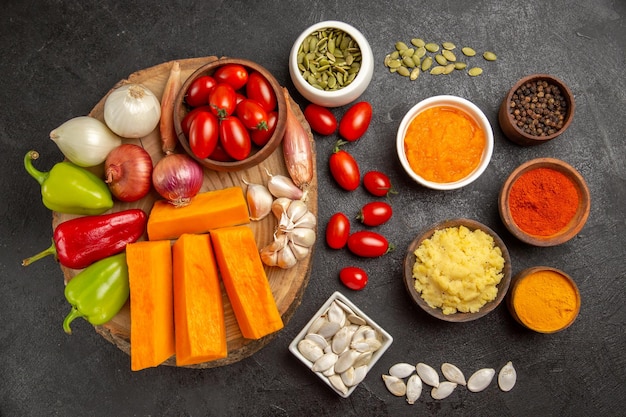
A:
{"x": 287, "y": 285}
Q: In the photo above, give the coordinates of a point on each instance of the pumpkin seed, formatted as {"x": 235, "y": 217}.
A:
{"x": 448, "y": 69}
{"x": 449, "y": 55}
{"x": 448, "y": 45}
{"x": 460, "y": 65}
{"x": 396, "y": 63}
{"x": 426, "y": 63}
{"x": 441, "y": 60}
{"x": 414, "y": 74}
{"x": 395, "y": 55}
{"x": 437, "y": 70}
{"x": 407, "y": 52}
{"x": 467, "y": 51}
{"x": 417, "y": 42}
{"x": 476, "y": 71}
{"x": 404, "y": 71}
{"x": 431, "y": 47}
{"x": 420, "y": 52}
{"x": 401, "y": 46}
{"x": 490, "y": 56}
{"x": 408, "y": 62}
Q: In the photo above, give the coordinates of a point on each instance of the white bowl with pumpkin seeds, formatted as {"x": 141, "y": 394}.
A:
{"x": 331, "y": 63}
{"x": 340, "y": 344}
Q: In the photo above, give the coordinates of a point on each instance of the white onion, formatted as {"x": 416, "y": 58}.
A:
{"x": 177, "y": 178}
{"x": 85, "y": 141}
{"x": 132, "y": 111}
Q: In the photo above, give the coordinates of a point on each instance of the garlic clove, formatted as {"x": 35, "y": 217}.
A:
{"x": 279, "y": 206}
{"x": 300, "y": 252}
{"x": 286, "y": 258}
{"x": 302, "y": 236}
{"x": 296, "y": 210}
{"x": 259, "y": 201}
{"x": 308, "y": 220}
{"x": 282, "y": 186}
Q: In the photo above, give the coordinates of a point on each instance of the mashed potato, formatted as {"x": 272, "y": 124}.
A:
{"x": 458, "y": 269}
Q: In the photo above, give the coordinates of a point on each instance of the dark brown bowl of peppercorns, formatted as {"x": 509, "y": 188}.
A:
{"x": 538, "y": 108}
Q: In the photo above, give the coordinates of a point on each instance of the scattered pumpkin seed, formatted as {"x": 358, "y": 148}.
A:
{"x": 395, "y": 55}
{"x": 441, "y": 60}
{"x": 418, "y": 43}
{"x": 414, "y": 74}
{"x": 448, "y": 45}
{"x": 467, "y": 51}
{"x": 395, "y": 63}
{"x": 404, "y": 71}
{"x": 475, "y": 71}
{"x": 489, "y": 56}
{"x": 408, "y": 61}
{"x": 460, "y": 65}
{"x": 420, "y": 52}
{"x": 426, "y": 63}
{"x": 448, "y": 68}
{"x": 401, "y": 46}
{"x": 431, "y": 47}
{"x": 407, "y": 52}
{"x": 437, "y": 70}
{"x": 449, "y": 55}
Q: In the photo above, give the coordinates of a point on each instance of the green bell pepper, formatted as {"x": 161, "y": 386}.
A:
{"x": 68, "y": 188}
{"x": 98, "y": 292}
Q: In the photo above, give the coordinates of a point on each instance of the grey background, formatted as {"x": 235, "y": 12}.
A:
{"x": 60, "y": 57}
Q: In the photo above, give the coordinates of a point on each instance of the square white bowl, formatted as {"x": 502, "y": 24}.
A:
{"x": 385, "y": 337}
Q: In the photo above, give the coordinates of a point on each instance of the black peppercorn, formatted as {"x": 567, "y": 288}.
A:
{"x": 539, "y": 108}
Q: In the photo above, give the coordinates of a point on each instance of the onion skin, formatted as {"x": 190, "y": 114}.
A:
{"x": 128, "y": 172}
{"x": 177, "y": 178}
{"x": 297, "y": 148}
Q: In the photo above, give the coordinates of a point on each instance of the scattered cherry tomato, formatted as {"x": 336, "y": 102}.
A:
{"x": 375, "y": 213}
{"x": 337, "y": 231}
{"x": 203, "y": 134}
{"x": 235, "y": 138}
{"x": 259, "y": 89}
{"x": 199, "y": 90}
{"x": 320, "y": 119}
{"x": 355, "y": 121}
{"x": 234, "y": 74}
{"x": 377, "y": 183}
{"x": 223, "y": 100}
{"x": 251, "y": 114}
{"x": 185, "y": 124}
{"x": 261, "y": 137}
{"x": 344, "y": 169}
{"x": 353, "y": 277}
{"x": 368, "y": 244}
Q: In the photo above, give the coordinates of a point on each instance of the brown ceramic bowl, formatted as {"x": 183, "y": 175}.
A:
{"x": 508, "y": 123}
{"x": 410, "y": 259}
{"x": 576, "y": 223}
{"x": 258, "y": 154}
{"x": 543, "y": 297}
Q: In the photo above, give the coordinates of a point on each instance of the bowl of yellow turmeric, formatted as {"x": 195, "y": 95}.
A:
{"x": 544, "y": 299}
{"x": 457, "y": 270}
{"x": 445, "y": 142}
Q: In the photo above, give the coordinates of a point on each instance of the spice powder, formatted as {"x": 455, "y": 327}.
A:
{"x": 444, "y": 144}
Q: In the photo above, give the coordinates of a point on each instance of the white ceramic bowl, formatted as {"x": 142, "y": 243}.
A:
{"x": 346, "y": 94}
{"x": 384, "y": 337}
{"x": 449, "y": 101}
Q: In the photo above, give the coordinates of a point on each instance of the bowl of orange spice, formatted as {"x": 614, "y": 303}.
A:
{"x": 444, "y": 142}
{"x": 544, "y": 202}
{"x": 543, "y": 299}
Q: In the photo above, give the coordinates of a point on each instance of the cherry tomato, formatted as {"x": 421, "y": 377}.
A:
{"x": 239, "y": 97}
{"x": 375, "y": 213}
{"x": 261, "y": 137}
{"x": 185, "y": 124}
{"x": 337, "y": 231}
{"x": 355, "y": 121}
{"x": 223, "y": 100}
{"x": 368, "y": 244}
{"x": 251, "y": 114}
{"x": 234, "y": 74}
{"x": 199, "y": 90}
{"x": 259, "y": 89}
{"x": 321, "y": 119}
{"x": 345, "y": 170}
{"x": 377, "y": 183}
{"x": 203, "y": 134}
{"x": 235, "y": 138}
{"x": 219, "y": 154}
{"x": 353, "y": 277}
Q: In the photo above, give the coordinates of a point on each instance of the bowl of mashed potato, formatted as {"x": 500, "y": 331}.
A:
{"x": 457, "y": 270}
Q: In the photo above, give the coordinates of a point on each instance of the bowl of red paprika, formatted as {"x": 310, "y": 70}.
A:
{"x": 537, "y": 109}
{"x": 544, "y": 202}
{"x": 230, "y": 114}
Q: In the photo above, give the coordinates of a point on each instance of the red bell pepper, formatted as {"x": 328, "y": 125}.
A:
{"x": 79, "y": 242}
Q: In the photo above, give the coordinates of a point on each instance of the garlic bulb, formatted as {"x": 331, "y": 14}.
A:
{"x": 132, "y": 111}
{"x": 295, "y": 234}
{"x": 85, "y": 141}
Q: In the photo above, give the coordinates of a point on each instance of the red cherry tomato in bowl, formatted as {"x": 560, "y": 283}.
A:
{"x": 235, "y": 138}
{"x": 368, "y": 244}
{"x": 234, "y": 74}
{"x": 355, "y": 121}
{"x": 377, "y": 183}
{"x": 337, "y": 231}
{"x": 251, "y": 114}
{"x": 261, "y": 137}
{"x": 199, "y": 90}
{"x": 345, "y": 170}
{"x": 259, "y": 89}
{"x": 223, "y": 100}
{"x": 375, "y": 213}
{"x": 320, "y": 119}
{"x": 353, "y": 277}
{"x": 203, "y": 134}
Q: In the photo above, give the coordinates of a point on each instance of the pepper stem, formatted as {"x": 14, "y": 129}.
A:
{"x": 34, "y": 172}
{"x": 52, "y": 250}
{"x": 73, "y": 314}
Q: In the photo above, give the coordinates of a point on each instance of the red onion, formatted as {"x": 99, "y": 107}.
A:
{"x": 128, "y": 172}
{"x": 177, "y": 178}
